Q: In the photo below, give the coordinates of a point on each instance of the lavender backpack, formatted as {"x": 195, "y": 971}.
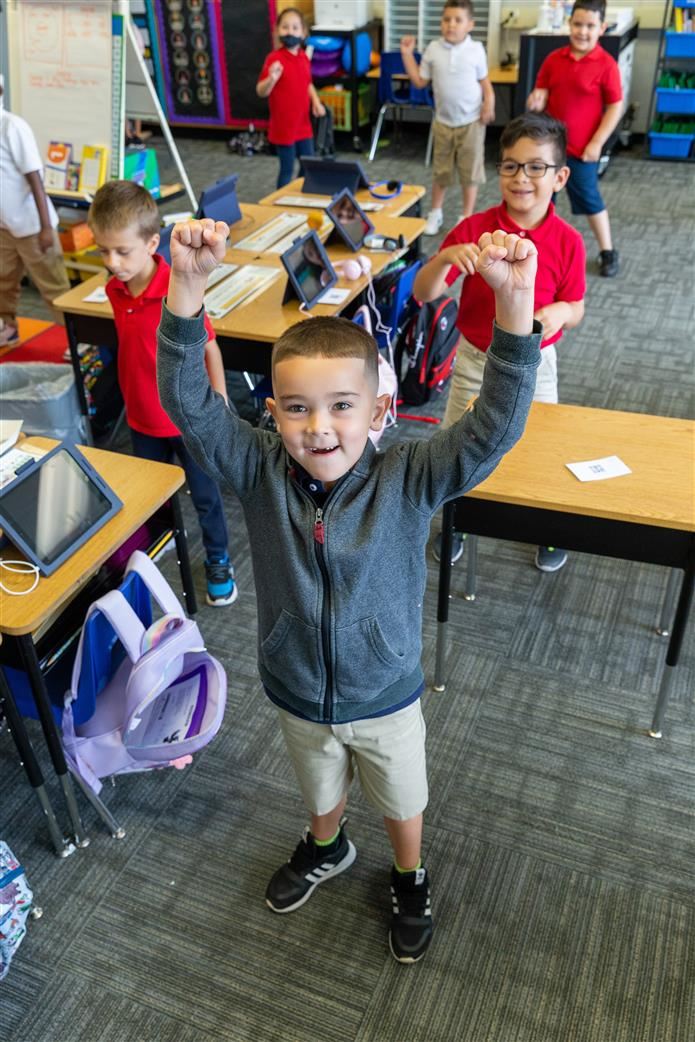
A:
{"x": 158, "y": 694}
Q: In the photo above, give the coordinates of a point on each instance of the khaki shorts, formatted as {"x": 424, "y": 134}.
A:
{"x": 467, "y": 379}
{"x": 388, "y": 751}
{"x": 459, "y": 150}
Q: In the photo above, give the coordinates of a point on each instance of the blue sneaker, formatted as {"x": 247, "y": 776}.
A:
{"x": 222, "y": 589}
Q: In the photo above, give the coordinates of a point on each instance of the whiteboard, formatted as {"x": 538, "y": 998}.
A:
{"x": 61, "y": 71}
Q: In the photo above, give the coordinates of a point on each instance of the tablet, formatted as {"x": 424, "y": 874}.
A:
{"x": 309, "y": 269}
{"x": 328, "y": 176}
{"x": 349, "y": 219}
{"x": 54, "y": 505}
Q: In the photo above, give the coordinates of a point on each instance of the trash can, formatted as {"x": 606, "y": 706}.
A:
{"x": 44, "y": 397}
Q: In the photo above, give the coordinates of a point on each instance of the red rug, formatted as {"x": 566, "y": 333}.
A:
{"x": 39, "y": 342}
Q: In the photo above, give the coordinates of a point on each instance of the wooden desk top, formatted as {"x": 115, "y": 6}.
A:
{"x": 265, "y": 318}
{"x": 141, "y": 485}
{"x": 390, "y": 207}
{"x": 659, "y": 451}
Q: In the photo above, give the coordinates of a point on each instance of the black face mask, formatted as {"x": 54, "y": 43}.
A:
{"x": 291, "y": 41}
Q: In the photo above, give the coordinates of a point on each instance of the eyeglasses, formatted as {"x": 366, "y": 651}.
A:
{"x": 509, "y": 168}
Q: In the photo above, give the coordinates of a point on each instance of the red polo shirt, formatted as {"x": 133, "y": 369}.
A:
{"x": 561, "y": 269}
{"x": 137, "y": 319}
{"x": 578, "y": 92}
{"x": 289, "y": 99}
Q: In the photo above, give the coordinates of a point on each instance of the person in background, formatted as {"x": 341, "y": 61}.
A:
{"x": 285, "y": 80}
{"x": 28, "y": 237}
{"x": 580, "y": 85}
{"x": 464, "y": 103}
{"x": 125, "y": 222}
{"x": 532, "y": 168}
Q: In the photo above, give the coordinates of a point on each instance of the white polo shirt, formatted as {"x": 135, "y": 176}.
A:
{"x": 19, "y": 155}
{"x": 455, "y": 71}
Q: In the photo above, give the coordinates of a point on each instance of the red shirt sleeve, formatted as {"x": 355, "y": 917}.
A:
{"x": 572, "y": 286}
{"x": 610, "y": 85}
{"x": 208, "y": 327}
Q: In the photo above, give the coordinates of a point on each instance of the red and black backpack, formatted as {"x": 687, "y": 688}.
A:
{"x": 426, "y": 350}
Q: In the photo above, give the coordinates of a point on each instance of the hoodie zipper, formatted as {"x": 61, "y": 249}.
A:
{"x": 319, "y": 541}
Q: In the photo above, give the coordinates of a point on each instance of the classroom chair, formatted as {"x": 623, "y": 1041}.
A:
{"x": 396, "y": 93}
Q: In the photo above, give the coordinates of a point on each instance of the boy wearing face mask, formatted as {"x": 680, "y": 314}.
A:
{"x": 285, "y": 80}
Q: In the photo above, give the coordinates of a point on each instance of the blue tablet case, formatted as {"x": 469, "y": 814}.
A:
{"x": 329, "y": 176}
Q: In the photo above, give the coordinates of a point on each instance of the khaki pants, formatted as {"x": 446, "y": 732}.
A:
{"x": 46, "y": 271}
{"x": 467, "y": 379}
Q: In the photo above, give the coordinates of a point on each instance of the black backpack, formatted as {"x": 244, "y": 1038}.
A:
{"x": 324, "y": 143}
{"x": 426, "y": 350}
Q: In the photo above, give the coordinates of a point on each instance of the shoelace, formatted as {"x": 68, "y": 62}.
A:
{"x": 219, "y": 571}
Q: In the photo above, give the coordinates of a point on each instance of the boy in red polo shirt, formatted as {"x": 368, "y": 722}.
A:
{"x": 125, "y": 222}
{"x": 532, "y": 168}
{"x": 580, "y": 85}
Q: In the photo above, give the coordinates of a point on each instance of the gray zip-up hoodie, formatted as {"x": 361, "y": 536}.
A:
{"x": 339, "y": 622}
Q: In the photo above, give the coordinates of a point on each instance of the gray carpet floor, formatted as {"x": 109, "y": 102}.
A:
{"x": 559, "y": 838}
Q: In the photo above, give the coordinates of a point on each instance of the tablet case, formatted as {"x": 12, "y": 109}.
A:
{"x": 219, "y": 201}
{"x": 329, "y": 176}
{"x": 293, "y": 288}
{"x": 338, "y": 233}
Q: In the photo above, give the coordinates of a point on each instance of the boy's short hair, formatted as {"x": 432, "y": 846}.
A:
{"x": 540, "y": 127}
{"x": 122, "y": 204}
{"x": 590, "y": 5}
{"x": 465, "y": 5}
{"x": 329, "y": 338}
{"x": 290, "y": 10}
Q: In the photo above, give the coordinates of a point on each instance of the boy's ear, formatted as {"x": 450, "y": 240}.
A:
{"x": 153, "y": 244}
{"x": 561, "y": 178}
{"x": 272, "y": 408}
{"x": 381, "y": 407}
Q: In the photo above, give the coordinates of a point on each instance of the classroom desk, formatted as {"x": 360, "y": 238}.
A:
{"x": 496, "y": 73}
{"x": 405, "y": 204}
{"x": 245, "y": 333}
{"x": 646, "y": 516}
{"x": 143, "y": 487}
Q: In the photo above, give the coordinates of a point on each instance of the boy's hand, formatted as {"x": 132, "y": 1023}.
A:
{"x": 462, "y": 256}
{"x": 537, "y": 100}
{"x": 592, "y": 153}
{"x": 551, "y": 318}
{"x": 408, "y": 44}
{"x": 508, "y": 264}
{"x": 197, "y": 247}
{"x": 318, "y": 108}
{"x": 487, "y": 114}
{"x": 275, "y": 71}
{"x": 46, "y": 239}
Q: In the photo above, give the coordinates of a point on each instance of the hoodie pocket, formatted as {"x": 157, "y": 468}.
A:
{"x": 366, "y": 662}
{"x": 292, "y": 652}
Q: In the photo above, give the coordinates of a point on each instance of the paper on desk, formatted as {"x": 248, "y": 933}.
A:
{"x": 598, "y": 469}
{"x": 334, "y": 296}
{"x": 14, "y": 459}
{"x": 97, "y": 296}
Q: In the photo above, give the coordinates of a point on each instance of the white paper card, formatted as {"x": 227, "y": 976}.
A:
{"x": 97, "y": 296}
{"x": 598, "y": 469}
{"x": 334, "y": 296}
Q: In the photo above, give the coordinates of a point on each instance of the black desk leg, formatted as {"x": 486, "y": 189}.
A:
{"x": 77, "y": 370}
{"x": 55, "y": 748}
{"x": 184, "y": 560}
{"x": 443, "y": 595}
{"x": 31, "y": 766}
{"x": 472, "y": 569}
{"x": 663, "y": 626}
{"x": 674, "y": 647}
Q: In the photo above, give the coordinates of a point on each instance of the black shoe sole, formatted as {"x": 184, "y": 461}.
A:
{"x": 408, "y": 960}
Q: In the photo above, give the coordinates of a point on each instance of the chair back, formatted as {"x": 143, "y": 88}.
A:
{"x": 399, "y": 92}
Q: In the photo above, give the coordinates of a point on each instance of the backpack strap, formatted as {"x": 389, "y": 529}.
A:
{"x": 155, "y": 583}
{"x": 126, "y": 625}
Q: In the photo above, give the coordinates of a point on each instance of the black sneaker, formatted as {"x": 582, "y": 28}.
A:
{"x": 457, "y": 547}
{"x": 221, "y": 585}
{"x": 295, "y": 882}
{"x": 608, "y": 263}
{"x": 411, "y": 920}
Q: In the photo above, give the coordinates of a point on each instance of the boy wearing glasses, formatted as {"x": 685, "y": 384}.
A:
{"x": 532, "y": 168}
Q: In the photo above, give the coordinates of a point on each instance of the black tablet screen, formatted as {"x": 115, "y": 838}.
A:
{"x": 352, "y": 222}
{"x": 53, "y": 506}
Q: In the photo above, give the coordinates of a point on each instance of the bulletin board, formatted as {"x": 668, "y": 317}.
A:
{"x": 66, "y": 73}
{"x": 209, "y": 55}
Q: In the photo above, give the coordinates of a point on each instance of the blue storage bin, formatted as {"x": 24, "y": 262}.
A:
{"x": 363, "y": 54}
{"x": 670, "y": 146}
{"x": 670, "y": 99}
{"x": 680, "y": 45}
{"x": 684, "y": 3}
{"x": 324, "y": 44}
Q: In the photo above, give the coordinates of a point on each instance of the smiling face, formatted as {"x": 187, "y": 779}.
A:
{"x": 527, "y": 198}
{"x": 456, "y": 24}
{"x": 126, "y": 254}
{"x": 585, "y": 29}
{"x": 324, "y": 409}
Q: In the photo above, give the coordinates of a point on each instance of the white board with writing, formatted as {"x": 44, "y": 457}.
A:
{"x": 61, "y": 70}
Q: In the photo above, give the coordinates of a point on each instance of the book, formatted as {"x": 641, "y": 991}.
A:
{"x": 55, "y": 173}
{"x": 72, "y": 181}
{"x": 93, "y": 167}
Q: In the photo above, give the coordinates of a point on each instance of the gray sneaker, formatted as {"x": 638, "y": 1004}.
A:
{"x": 550, "y": 559}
